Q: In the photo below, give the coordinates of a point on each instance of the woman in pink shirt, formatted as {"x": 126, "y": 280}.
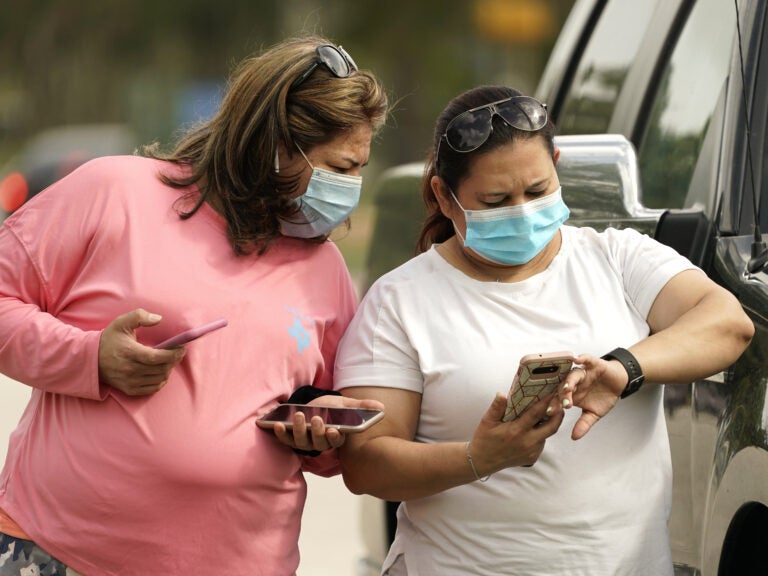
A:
{"x": 136, "y": 460}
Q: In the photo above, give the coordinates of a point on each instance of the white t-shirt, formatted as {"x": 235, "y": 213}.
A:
{"x": 597, "y": 506}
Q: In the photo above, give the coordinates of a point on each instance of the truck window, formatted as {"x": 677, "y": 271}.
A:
{"x": 683, "y": 103}
{"x": 612, "y": 47}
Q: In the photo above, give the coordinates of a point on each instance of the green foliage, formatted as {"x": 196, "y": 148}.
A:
{"x": 75, "y": 61}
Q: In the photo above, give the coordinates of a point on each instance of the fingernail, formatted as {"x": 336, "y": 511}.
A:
{"x": 566, "y": 386}
{"x": 155, "y": 317}
{"x": 549, "y": 410}
{"x": 566, "y": 403}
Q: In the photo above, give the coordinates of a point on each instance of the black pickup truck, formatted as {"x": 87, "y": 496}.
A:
{"x": 662, "y": 114}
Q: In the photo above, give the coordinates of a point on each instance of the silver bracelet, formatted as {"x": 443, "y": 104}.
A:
{"x": 472, "y": 464}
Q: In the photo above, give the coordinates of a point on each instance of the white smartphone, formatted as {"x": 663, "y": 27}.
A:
{"x": 191, "y": 334}
{"x": 347, "y": 420}
{"x": 538, "y": 375}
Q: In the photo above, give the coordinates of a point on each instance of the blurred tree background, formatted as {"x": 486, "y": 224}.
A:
{"x": 155, "y": 65}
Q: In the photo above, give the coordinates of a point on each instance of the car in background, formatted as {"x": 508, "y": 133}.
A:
{"x": 54, "y": 153}
{"x": 662, "y": 115}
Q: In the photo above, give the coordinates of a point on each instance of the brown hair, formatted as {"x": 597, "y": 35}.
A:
{"x": 453, "y": 167}
{"x": 231, "y": 156}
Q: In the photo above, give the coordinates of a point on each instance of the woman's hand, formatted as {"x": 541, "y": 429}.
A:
{"x": 425, "y": 468}
{"x": 317, "y": 436}
{"x": 129, "y": 366}
{"x": 497, "y": 445}
{"x": 595, "y": 386}
{"x": 697, "y": 329}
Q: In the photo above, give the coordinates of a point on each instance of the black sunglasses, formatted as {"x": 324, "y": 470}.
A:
{"x": 470, "y": 130}
{"x": 334, "y": 58}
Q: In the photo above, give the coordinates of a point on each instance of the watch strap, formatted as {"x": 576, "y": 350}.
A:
{"x": 631, "y": 365}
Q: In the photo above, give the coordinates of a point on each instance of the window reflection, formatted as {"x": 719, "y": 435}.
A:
{"x": 596, "y": 85}
{"x": 684, "y": 102}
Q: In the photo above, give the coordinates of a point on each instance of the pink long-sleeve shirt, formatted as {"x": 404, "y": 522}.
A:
{"x": 182, "y": 481}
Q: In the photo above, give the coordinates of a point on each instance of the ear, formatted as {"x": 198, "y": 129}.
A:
{"x": 556, "y": 157}
{"x": 442, "y": 195}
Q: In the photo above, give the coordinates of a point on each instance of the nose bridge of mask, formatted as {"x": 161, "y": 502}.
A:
{"x": 527, "y": 209}
{"x": 328, "y": 176}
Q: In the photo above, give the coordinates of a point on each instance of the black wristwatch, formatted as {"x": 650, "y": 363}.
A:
{"x": 631, "y": 365}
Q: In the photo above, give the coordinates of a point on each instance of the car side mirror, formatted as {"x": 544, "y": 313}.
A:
{"x": 601, "y": 185}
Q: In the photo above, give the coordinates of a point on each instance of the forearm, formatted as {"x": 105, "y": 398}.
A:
{"x": 43, "y": 352}
{"x": 36, "y": 347}
{"x": 396, "y": 469}
{"x": 703, "y": 341}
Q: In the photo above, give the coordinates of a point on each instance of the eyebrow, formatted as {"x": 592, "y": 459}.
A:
{"x": 496, "y": 193}
{"x": 537, "y": 183}
{"x": 354, "y": 163}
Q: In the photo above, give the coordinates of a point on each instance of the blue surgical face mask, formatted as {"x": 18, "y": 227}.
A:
{"x": 513, "y": 235}
{"x": 329, "y": 200}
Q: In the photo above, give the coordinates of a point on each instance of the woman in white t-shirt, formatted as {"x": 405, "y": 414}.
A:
{"x": 554, "y": 491}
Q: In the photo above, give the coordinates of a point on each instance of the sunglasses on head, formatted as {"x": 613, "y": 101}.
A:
{"x": 471, "y": 129}
{"x": 334, "y": 58}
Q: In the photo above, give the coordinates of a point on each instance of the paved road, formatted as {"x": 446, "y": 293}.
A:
{"x": 331, "y": 542}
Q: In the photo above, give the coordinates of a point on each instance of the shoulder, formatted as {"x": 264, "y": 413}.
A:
{"x": 298, "y": 250}
{"x": 609, "y": 236}
{"x": 634, "y": 255}
{"x": 614, "y": 243}
{"x": 104, "y": 178}
{"x": 415, "y": 284}
{"x": 107, "y": 169}
{"x": 322, "y": 264}
{"x": 416, "y": 270}
{"x": 97, "y": 194}
{"x": 329, "y": 258}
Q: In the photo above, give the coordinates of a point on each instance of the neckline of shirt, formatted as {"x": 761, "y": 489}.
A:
{"x": 533, "y": 283}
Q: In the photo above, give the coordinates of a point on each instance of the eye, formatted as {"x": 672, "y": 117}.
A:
{"x": 496, "y": 203}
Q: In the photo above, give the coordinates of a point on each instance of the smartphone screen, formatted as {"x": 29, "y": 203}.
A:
{"x": 538, "y": 376}
{"x": 345, "y": 419}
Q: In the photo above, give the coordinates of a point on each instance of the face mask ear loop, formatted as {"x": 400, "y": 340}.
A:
{"x": 305, "y": 156}
{"x": 308, "y": 162}
{"x": 457, "y": 200}
{"x": 455, "y": 228}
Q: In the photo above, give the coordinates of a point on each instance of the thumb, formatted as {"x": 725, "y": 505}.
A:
{"x": 584, "y": 424}
{"x": 497, "y": 408}
{"x": 136, "y": 318}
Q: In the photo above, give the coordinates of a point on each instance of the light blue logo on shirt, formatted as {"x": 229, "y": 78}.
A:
{"x": 297, "y": 329}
